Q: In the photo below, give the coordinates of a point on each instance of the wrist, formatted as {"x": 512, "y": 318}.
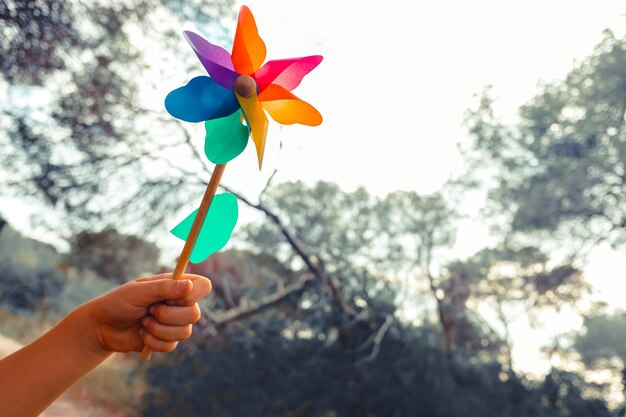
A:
{"x": 84, "y": 322}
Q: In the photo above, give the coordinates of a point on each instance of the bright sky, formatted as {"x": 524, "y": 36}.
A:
{"x": 397, "y": 77}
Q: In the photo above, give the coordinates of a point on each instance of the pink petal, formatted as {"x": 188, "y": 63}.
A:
{"x": 287, "y": 73}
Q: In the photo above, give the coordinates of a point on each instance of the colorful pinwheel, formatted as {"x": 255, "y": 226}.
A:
{"x": 239, "y": 88}
{"x": 240, "y": 81}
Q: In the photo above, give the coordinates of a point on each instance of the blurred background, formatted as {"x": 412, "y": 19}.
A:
{"x": 450, "y": 242}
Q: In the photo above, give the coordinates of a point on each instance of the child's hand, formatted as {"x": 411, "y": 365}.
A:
{"x": 156, "y": 311}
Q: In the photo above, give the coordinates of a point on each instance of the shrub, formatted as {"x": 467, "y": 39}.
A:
{"x": 30, "y": 276}
{"x": 113, "y": 255}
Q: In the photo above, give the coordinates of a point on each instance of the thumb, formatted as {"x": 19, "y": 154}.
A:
{"x": 145, "y": 293}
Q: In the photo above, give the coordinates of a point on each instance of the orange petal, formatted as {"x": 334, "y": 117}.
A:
{"x": 248, "y": 48}
{"x": 286, "y": 108}
{"x": 257, "y": 120}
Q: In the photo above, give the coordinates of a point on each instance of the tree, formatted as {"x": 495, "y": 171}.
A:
{"x": 76, "y": 130}
{"x": 297, "y": 364}
{"x": 415, "y": 228}
{"x": 113, "y": 255}
{"x": 562, "y": 167}
{"x": 603, "y": 338}
{"x": 31, "y": 272}
{"x": 320, "y": 230}
{"x": 403, "y": 238}
{"x": 601, "y": 344}
{"x": 511, "y": 282}
{"x": 337, "y": 226}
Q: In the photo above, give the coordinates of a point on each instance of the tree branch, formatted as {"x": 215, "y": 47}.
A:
{"x": 376, "y": 339}
{"x": 313, "y": 267}
{"x": 219, "y": 320}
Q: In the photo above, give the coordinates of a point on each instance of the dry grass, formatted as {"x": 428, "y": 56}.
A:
{"x": 117, "y": 385}
{"x": 24, "y": 328}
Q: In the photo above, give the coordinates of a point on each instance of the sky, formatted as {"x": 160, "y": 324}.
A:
{"x": 395, "y": 82}
{"x": 397, "y": 77}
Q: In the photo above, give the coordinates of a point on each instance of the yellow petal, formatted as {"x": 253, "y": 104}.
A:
{"x": 257, "y": 120}
{"x": 286, "y": 108}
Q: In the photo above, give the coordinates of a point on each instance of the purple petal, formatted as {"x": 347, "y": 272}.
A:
{"x": 215, "y": 59}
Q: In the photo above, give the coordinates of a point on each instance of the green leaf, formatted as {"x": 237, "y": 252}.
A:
{"x": 216, "y": 230}
{"x": 226, "y": 138}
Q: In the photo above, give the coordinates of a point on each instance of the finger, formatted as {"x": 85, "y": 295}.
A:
{"x": 167, "y": 275}
{"x": 166, "y": 333}
{"x": 155, "y": 344}
{"x": 175, "y": 315}
{"x": 201, "y": 288}
{"x": 144, "y": 293}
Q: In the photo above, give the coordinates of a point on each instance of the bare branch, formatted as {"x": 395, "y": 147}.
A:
{"x": 219, "y": 320}
{"x": 312, "y": 265}
{"x": 376, "y": 339}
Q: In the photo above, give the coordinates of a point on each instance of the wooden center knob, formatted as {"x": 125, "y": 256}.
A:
{"x": 245, "y": 86}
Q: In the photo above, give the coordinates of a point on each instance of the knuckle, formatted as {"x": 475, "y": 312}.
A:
{"x": 157, "y": 313}
{"x": 187, "y": 332}
{"x": 150, "y": 325}
{"x": 196, "y": 314}
{"x": 183, "y": 302}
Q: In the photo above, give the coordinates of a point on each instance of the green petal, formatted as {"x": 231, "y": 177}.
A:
{"x": 216, "y": 230}
{"x": 225, "y": 138}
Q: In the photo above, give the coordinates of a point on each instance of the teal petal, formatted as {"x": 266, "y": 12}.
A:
{"x": 225, "y": 138}
{"x": 216, "y": 230}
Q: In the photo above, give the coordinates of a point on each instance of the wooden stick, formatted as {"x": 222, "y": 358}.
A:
{"x": 183, "y": 260}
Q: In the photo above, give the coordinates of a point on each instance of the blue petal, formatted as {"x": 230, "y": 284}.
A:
{"x": 201, "y": 99}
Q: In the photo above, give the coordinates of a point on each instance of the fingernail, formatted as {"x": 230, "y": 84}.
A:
{"x": 145, "y": 321}
{"x": 183, "y": 285}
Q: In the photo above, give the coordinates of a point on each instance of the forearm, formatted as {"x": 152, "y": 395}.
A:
{"x": 34, "y": 376}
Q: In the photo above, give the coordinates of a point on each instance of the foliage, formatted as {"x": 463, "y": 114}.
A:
{"x": 603, "y": 338}
{"x": 79, "y": 287}
{"x": 601, "y": 346}
{"x": 238, "y": 276}
{"x": 114, "y": 255}
{"x": 333, "y": 224}
{"x": 505, "y": 274}
{"x": 498, "y": 275}
{"x": 412, "y": 229}
{"x": 31, "y": 277}
{"x": 400, "y": 235}
{"x": 79, "y": 129}
{"x": 563, "y": 165}
{"x": 262, "y": 369}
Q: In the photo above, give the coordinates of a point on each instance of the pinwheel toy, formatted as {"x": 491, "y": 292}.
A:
{"x": 232, "y": 102}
